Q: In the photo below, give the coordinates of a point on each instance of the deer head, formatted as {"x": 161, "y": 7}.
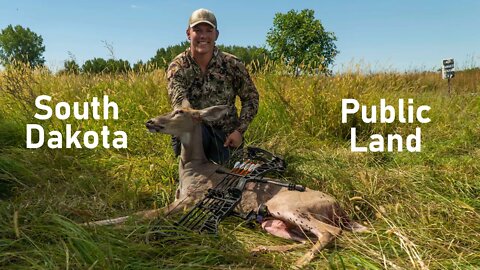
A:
{"x": 184, "y": 120}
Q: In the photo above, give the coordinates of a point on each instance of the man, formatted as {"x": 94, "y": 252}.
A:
{"x": 202, "y": 76}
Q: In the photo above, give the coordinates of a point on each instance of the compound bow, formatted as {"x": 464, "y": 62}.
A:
{"x": 220, "y": 201}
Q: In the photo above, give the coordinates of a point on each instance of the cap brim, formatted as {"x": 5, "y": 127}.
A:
{"x": 199, "y": 22}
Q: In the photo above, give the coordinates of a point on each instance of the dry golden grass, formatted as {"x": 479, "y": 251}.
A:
{"x": 423, "y": 208}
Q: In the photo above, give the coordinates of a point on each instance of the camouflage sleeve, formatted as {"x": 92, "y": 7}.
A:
{"x": 176, "y": 85}
{"x": 248, "y": 96}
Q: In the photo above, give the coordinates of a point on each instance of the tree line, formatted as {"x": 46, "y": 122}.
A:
{"x": 296, "y": 39}
{"x": 250, "y": 55}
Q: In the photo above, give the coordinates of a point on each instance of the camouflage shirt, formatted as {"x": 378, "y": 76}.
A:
{"x": 225, "y": 78}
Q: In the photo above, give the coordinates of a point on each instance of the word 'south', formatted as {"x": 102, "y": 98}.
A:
{"x": 387, "y": 114}
{"x": 70, "y": 138}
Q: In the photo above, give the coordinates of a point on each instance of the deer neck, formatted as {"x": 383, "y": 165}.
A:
{"x": 196, "y": 173}
{"x": 192, "y": 152}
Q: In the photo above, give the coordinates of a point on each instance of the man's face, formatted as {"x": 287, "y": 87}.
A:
{"x": 202, "y": 38}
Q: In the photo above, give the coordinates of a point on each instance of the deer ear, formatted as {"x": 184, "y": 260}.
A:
{"x": 213, "y": 113}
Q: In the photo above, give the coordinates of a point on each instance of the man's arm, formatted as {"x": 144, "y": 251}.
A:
{"x": 248, "y": 96}
{"x": 177, "y": 86}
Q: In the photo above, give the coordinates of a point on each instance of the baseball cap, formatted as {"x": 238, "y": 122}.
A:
{"x": 202, "y": 16}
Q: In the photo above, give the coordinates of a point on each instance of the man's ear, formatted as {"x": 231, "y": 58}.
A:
{"x": 213, "y": 113}
{"x": 218, "y": 34}
{"x": 188, "y": 33}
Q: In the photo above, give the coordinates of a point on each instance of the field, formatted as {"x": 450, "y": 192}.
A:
{"x": 423, "y": 208}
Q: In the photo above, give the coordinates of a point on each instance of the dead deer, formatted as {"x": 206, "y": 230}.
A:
{"x": 299, "y": 216}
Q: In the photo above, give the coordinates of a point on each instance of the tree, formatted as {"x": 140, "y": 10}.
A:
{"x": 94, "y": 66}
{"x": 301, "y": 41}
{"x": 110, "y": 66}
{"x": 18, "y": 44}
{"x": 253, "y": 56}
{"x": 163, "y": 57}
{"x": 249, "y": 55}
{"x": 71, "y": 67}
{"x": 117, "y": 66}
{"x": 139, "y": 67}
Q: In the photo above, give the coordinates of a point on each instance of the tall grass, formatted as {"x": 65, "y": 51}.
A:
{"x": 423, "y": 208}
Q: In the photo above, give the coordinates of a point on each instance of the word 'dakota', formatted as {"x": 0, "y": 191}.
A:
{"x": 90, "y": 138}
{"x": 70, "y": 138}
{"x": 386, "y": 114}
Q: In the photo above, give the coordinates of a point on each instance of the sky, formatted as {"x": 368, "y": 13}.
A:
{"x": 375, "y": 35}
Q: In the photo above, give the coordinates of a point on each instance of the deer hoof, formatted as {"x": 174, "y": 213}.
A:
{"x": 303, "y": 261}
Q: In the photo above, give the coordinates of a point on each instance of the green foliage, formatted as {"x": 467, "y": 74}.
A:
{"x": 139, "y": 67}
{"x": 100, "y": 65}
{"x": 302, "y": 42}
{"x": 118, "y": 66}
{"x": 250, "y": 55}
{"x": 94, "y": 66}
{"x": 71, "y": 67}
{"x": 18, "y": 44}
{"x": 164, "y": 56}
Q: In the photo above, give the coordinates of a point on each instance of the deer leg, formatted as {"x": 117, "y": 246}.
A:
{"x": 172, "y": 208}
{"x": 323, "y": 241}
{"x": 307, "y": 222}
{"x": 325, "y": 233}
{"x": 281, "y": 229}
{"x": 280, "y": 248}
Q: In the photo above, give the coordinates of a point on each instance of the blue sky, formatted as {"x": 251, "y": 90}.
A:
{"x": 380, "y": 35}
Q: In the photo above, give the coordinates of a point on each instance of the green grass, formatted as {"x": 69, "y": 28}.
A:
{"x": 423, "y": 208}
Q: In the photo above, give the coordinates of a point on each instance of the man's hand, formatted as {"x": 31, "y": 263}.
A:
{"x": 234, "y": 139}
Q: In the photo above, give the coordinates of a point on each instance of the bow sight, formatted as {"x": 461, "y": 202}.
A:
{"x": 220, "y": 201}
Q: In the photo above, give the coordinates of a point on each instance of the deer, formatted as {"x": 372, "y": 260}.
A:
{"x": 303, "y": 217}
